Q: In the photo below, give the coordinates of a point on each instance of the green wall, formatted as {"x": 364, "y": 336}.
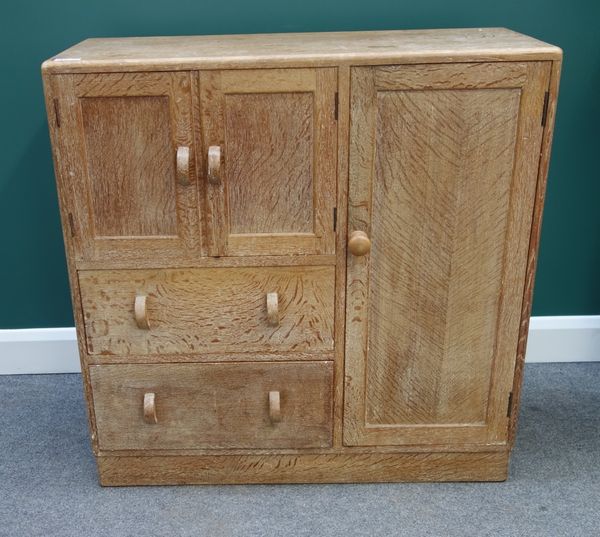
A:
{"x": 32, "y": 267}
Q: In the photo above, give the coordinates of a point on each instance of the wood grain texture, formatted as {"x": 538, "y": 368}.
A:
{"x": 209, "y": 356}
{"x": 443, "y": 205}
{"x": 208, "y": 310}
{"x": 435, "y": 265}
{"x": 456, "y": 76}
{"x": 62, "y": 160}
{"x": 339, "y": 450}
{"x": 301, "y": 49}
{"x": 211, "y": 262}
{"x": 122, "y": 133}
{"x": 213, "y": 405}
{"x": 277, "y": 132}
{"x": 323, "y": 468}
{"x": 211, "y": 112}
{"x": 270, "y": 144}
{"x": 130, "y": 169}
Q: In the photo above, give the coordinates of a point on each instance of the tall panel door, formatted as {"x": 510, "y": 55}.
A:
{"x": 443, "y": 171}
{"x": 270, "y": 149}
{"x": 129, "y": 167}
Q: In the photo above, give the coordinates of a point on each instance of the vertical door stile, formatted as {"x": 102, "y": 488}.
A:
{"x": 211, "y": 105}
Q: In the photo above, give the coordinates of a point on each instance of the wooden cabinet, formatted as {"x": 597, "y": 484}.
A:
{"x": 303, "y": 257}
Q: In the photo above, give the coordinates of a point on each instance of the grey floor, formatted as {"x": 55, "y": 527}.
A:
{"x": 48, "y": 481}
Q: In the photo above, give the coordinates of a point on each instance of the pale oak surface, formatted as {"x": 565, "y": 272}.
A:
{"x": 213, "y": 406}
{"x": 208, "y": 310}
{"x": 375, "y": 47}
{"x": 443, "y": 161}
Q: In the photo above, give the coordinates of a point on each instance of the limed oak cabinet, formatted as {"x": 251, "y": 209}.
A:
{"x": 303, "y": 257}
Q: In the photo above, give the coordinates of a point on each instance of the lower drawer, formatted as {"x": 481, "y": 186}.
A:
{"x": 213, "y": 405}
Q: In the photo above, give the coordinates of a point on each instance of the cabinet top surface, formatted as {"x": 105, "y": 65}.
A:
{"x": 299, "y": 49}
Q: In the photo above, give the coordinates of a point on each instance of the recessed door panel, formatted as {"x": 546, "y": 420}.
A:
{"x": 269, "y": 145}
{"x": 131, "y": 171}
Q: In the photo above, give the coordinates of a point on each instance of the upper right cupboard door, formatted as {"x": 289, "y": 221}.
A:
{"x": 443, "y": 171}
{"x": 270, "y": 140}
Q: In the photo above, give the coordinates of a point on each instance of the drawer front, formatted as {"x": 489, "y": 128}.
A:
{"x": 213, "y": 405}
{"x": 210, "y": 310}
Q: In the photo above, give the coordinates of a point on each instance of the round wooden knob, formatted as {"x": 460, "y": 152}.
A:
{"x": 359, "y": 243}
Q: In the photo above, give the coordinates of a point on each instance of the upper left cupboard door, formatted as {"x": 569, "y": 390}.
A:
{"x": 124, "y": 148}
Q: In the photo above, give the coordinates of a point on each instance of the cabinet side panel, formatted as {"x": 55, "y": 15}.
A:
{"x": 58, "y": 93}
{"x": 533, "y": 248}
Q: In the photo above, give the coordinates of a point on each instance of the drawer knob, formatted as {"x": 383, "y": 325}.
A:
{"x": 141, "y": 312}
{"x": 274, "y": 407}
{"x": 183, "y": 165}
{"x": 214, "y": 164}
{"x": 150, "y": 408}
{"x": 273, "y": 309}
{"x": 359, "y": 243}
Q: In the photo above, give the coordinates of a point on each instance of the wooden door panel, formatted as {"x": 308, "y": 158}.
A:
{"x": 437, "y": 266}
{"x": 268, "y": 134}
{"x": 130, "y": 199}
{"x": 443, "y": 164}
{"x": 128, "y": 140}
{"x": 277, "y": 135}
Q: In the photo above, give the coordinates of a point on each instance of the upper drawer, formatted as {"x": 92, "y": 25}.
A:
{"x": 228, "y": 310}
{"x": 211, "y": 406}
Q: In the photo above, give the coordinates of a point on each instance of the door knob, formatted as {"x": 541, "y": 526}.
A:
{"x": 359, "y": 243}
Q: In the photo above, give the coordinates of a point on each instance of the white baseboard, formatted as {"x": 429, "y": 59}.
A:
{"x": 38, "y": 350}
{"x": 571, "y": 338}
{"x": 54, "y": 350}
